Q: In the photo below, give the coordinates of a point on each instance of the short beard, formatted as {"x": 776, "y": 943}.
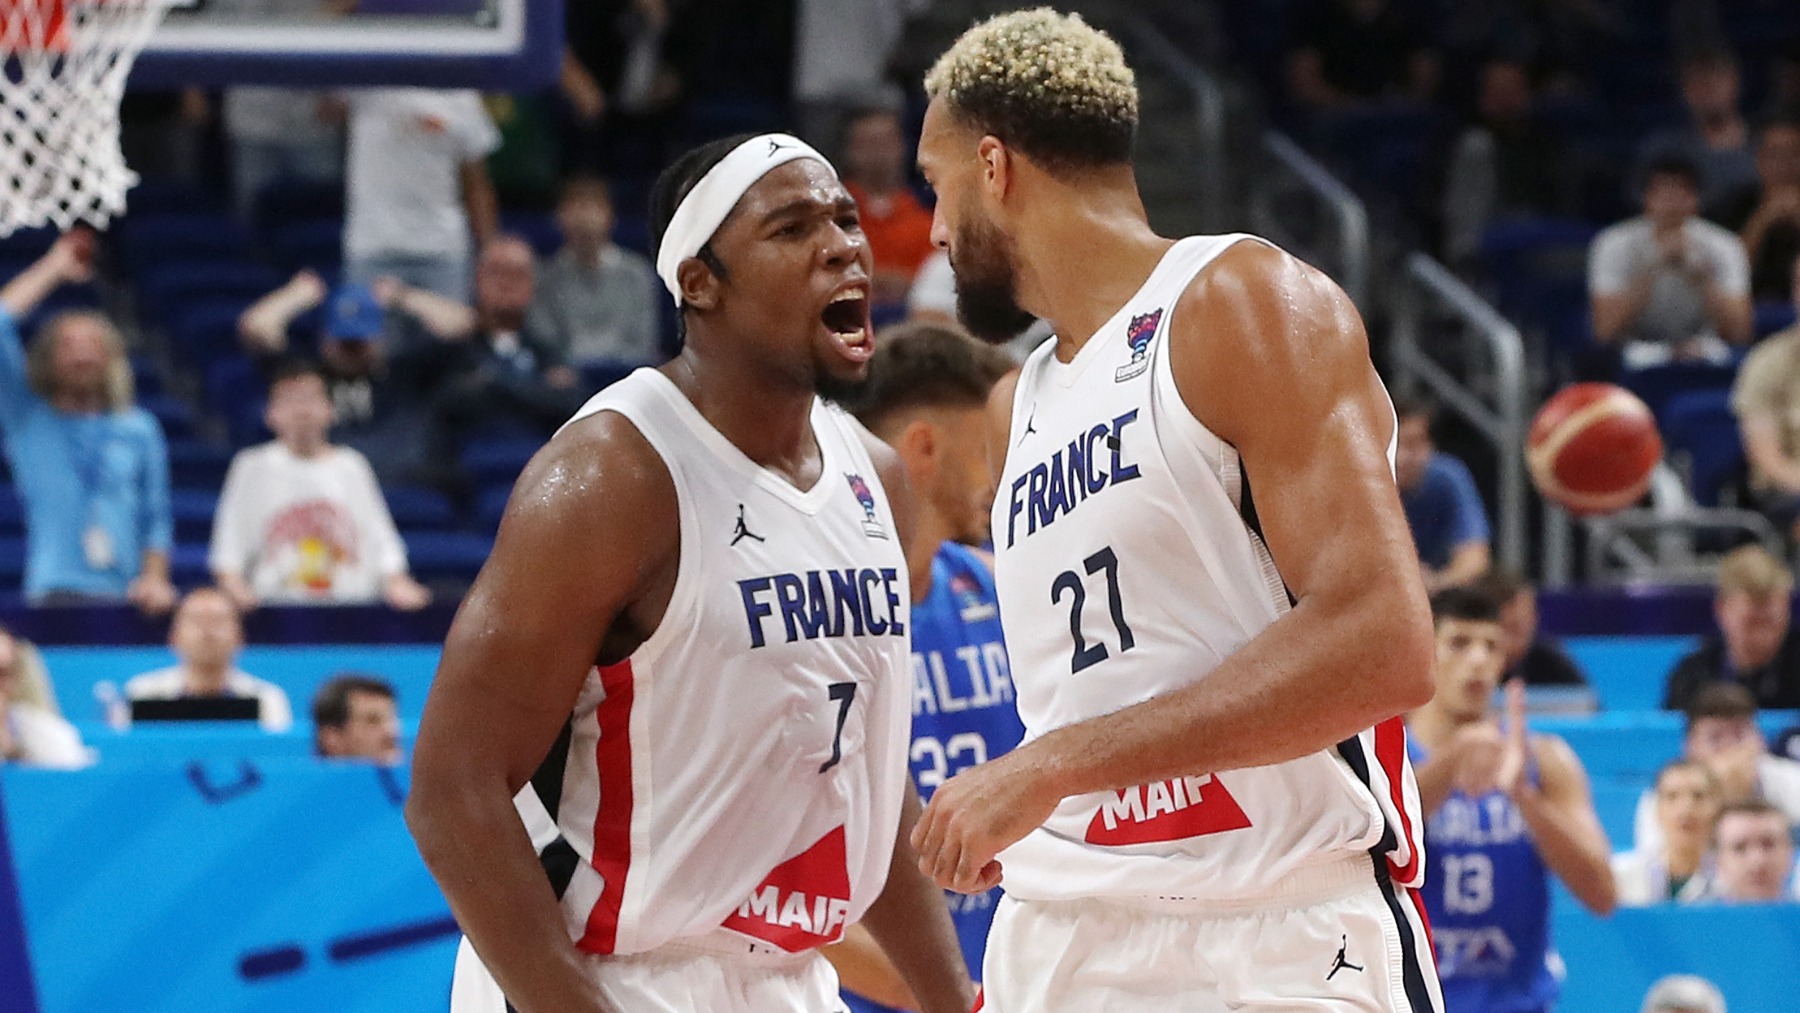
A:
{"x": 841, "y": 391}
{"x": 985, "y": 284}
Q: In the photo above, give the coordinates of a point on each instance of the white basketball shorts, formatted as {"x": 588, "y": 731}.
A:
{"x": 1337, "y": 939}
{"x": 677, "y": 979}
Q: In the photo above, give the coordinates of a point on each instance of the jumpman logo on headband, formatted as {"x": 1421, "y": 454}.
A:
{"x": 775, "y": 145}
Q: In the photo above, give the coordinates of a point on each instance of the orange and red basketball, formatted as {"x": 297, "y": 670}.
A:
{"x": 1592, "y": 448}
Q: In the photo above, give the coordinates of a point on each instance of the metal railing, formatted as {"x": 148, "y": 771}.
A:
{"x": 1490, "y": 395}
{"x": 1209, "y": 114}
{"x": 1299, "y": 189}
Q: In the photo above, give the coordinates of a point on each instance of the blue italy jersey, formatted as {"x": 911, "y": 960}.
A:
{"x": 963, "y": 711}
{"x": 1488, "y": 894}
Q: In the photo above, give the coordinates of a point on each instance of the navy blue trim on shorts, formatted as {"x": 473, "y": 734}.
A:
{"x": 1412, "y": 969}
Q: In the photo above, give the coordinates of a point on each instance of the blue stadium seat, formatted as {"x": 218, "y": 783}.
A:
{"x": 174, "y": 415}
{"x": 437, "y": 555}
{"x": 497, "y": 460}
{"x": 1658, "y": 384}
{"x": 146, "y": 375}
{"x": 1700, "y": 424}
{"x": 287, "y": 200}
{"x": 193, "y": 511}
{"x": 12, "y": 513}
{"x": 419, "y": 509}
{"x": 206, "y": 331}
{"x": 541, "y": 231}
{"x": 187, "y": 565}
{"x": 152, "y": 239}
{"x": 1772, "y": 317}
{"x": 12, "y": 561}
{"x": 197, "y": 463}
{"x": 171, "y": 288}
{"x": 168, "y": 195}
{"x": 317, "y": 244}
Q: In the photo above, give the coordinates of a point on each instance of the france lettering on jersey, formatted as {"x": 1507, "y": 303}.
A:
{"x": 736, "y": 782}
{"x": 1130, "y": 564}
{"x": 1489, "y": 900}
{"x": 962, "y": 707}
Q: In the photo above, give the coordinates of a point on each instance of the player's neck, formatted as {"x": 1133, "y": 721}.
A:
{"x": 1086, "y": 260}
{"x": 930, "y": 532}
{"x": 769, "y": 420}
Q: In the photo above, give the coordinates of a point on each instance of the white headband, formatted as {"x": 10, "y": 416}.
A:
{"x": 706, "y": 206}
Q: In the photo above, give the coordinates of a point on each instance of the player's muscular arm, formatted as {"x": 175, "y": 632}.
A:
{"x": 1559, "y": 814}
{"x": 1271, "y": 356}
{"x": 912, "y": 924}
{"x": 589, "y": 536}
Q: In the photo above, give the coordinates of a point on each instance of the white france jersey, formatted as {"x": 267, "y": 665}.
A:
{"x": 1130, "y": 564}
{"x": 736, "y": 782}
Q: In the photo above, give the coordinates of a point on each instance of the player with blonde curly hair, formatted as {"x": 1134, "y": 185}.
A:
{"x": 1212, "y": 807}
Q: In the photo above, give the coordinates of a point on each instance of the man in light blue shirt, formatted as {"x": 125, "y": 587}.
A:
{"x": 1443, "y": 507}
{"x": 91, "y": 467}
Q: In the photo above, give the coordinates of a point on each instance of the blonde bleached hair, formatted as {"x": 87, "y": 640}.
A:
{"x": 1046, "y": 83}
{"x": 40, "y": 361}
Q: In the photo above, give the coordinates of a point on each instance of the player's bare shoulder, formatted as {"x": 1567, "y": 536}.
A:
{"x": 597, "y": 496}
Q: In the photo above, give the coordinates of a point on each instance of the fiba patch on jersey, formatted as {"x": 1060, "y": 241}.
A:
{"x": 804, "y": 902}
{"x": 871, "y": 520}
{"x": 1138, "y": 335}
{"x": 1171, "y": 810}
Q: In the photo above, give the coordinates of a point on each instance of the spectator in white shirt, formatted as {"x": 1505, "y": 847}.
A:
{"x": 206, "y": 636}
{"x": 1687, "y": 803}
{"x": 1668, "y": 285}
{"x": 31, "y": 734}
{"x": 1722, "y": 734}
{"x": 417, "y": 196}
{"x": 301, "y": 521}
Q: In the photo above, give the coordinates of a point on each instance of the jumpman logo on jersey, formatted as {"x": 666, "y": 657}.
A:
{"x": 1029, "y": 425}
{"x": 742, "y": 531}
{"x": 1339, "y": 963}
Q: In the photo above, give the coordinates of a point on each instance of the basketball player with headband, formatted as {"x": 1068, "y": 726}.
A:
{"x": 664, "y": 757}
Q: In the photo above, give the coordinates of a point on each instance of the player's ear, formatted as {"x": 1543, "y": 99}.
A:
{"x": 918, "y": 447}
{"x": 996, "y": 165}
{"x": 699, "y": 285}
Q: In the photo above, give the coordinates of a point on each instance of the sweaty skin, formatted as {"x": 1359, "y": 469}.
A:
{"x": 1256, "y": 328}
{"x": 583, "y": 570}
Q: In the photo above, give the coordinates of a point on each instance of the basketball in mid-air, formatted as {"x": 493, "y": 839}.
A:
{"x": 1592, "y": 448}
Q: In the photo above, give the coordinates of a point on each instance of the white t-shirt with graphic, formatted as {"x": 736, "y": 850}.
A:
{"x": 305, "y": 530}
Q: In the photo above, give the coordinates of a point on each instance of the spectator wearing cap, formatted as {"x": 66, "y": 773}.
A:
{"x": 1683, "y": 993}
{"x": 598, "y": 301}
{"x": 356, "y": 717}
{"x": 301, "y": 521}
{"x": 92, "y": 467}
{"x": 376, "y": 346}
{"x": 1753, "y": 606}
{"x": 1667, "y": 285}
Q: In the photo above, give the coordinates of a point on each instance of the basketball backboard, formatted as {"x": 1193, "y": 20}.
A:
{"x": 491, "y": 44}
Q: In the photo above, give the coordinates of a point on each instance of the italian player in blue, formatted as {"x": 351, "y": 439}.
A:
{"x": 1507, "y": 810}
{"x": 927, "y": 388}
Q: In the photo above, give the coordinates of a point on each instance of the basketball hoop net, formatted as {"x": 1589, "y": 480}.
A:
{"x": 65, "y": 63}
